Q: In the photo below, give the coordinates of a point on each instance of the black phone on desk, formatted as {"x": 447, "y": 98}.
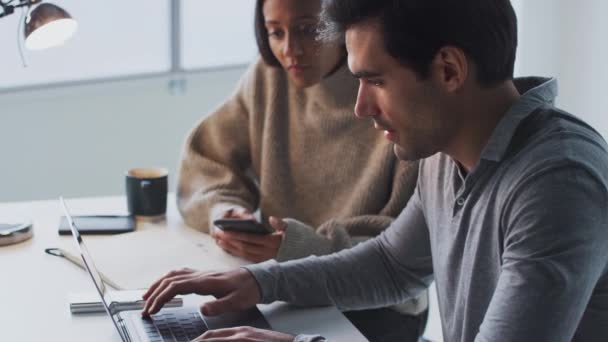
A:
{"x": 242, "y": 226}
{"x": 99, "y": 224}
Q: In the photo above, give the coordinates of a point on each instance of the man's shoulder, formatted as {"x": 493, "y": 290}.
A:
{"x": 551, "y": 138}
{"x": 547, "y": 140}
{"x": 552, "y": 128}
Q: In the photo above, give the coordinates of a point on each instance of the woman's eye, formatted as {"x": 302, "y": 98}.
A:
{"x": 275, "y": 33}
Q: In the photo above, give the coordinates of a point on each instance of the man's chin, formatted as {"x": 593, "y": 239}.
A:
{"x": 408, "y": 154}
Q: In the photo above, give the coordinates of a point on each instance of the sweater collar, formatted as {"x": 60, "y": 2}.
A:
{"x": 338, "y": 90}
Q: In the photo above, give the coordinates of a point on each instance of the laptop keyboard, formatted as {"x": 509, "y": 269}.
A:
{"x": 174, "y": 326}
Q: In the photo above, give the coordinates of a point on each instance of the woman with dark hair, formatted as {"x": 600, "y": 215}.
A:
{"x": 287, "y": 143}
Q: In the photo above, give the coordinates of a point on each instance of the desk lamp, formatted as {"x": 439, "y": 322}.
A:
{"x": 46, "y": 25}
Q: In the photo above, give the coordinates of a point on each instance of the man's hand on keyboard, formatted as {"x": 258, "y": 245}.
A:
{"x": 244, "y": 334}
{"x": 235, "y": 290}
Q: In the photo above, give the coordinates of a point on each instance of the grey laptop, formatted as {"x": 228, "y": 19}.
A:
{"x": 170, "y": 324}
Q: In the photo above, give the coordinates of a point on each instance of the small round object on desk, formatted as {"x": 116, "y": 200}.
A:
{"x": 14, "y": 233}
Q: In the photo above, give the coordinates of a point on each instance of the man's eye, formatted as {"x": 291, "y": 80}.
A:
{"x": 375, "y": 82}
{"x": 307, "y": 29}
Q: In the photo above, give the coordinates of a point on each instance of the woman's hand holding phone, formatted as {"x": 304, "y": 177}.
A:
{"x": 239, "y": 214}
{"x": 254, "y": 247}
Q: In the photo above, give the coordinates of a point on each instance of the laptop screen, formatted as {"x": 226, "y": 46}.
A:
{"x": 108, "y": 303}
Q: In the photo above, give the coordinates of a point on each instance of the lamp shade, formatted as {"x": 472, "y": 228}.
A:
{"x": 48, "y": 26}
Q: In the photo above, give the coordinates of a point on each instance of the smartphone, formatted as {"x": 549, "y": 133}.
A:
{"x": 99, "y": 224}
{"x": 242, "y": 226}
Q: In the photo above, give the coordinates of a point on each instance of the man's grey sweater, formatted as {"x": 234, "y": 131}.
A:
{"x": 518, "y": 247}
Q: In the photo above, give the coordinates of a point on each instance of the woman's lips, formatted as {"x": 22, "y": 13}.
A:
{"x": 297, "y": 68}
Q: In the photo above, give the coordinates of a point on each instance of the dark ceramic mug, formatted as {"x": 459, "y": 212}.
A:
{"x": 147, "y": 192}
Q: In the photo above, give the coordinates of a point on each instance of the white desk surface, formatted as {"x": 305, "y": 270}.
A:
{"x": 34, "y": 286}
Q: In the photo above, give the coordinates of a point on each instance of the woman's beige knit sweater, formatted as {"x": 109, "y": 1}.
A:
{"x": 294, "y": 153}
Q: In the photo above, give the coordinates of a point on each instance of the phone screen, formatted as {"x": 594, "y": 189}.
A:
{"x": 242, "y": 225}
{"x": 99, "y": 224}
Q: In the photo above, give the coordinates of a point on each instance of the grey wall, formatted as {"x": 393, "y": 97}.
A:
{"x": 567, "y": 40}
{"x": 79, "y": 140}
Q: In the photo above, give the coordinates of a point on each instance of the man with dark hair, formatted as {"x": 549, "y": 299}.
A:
{"x": 509, "y": 215}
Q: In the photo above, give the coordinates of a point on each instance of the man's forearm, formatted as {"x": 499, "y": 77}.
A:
{"x": 361, "y": 277}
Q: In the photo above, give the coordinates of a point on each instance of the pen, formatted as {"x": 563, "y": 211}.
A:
{"x": 58, "y": 252}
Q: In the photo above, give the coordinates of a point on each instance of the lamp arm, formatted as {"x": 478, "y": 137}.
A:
{"x": 7, "y": 8}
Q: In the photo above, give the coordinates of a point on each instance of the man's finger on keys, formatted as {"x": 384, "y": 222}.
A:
{"x": 168, "y": 275}
{"x": 164, "y": 283}
{"x": 170, "y": 291}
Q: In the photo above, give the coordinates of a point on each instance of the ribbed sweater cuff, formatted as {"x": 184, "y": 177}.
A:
{"x": 267, "y": 275}
{"x": 301, "y": 240}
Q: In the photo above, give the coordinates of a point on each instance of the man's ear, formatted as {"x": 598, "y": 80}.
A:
{"x": 451, "y": 68}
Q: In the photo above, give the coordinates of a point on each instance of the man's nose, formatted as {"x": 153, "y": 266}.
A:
{"x": 364, "y": 107}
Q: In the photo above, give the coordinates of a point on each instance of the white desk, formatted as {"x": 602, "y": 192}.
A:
{"x": 34, "y": 286}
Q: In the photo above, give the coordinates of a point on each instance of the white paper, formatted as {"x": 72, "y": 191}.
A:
{"x": 135, "y": 260}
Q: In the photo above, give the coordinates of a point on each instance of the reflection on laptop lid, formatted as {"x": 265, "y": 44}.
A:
{"x": 99, "y": 285}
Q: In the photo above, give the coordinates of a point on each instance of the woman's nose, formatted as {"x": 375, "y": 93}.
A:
{"x": 292, "y": 46}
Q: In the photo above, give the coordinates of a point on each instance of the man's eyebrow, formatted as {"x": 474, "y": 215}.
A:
{"x": 307, "y": 17}
{"x": 366, "y": 74}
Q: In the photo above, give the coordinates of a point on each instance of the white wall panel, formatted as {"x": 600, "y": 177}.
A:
{"x": 218, "y": 34}
{"x": 114, "y": 38}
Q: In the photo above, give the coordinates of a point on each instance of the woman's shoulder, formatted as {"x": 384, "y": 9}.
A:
{"x": 260, "y": 89}
{"x": 260, "y": 74}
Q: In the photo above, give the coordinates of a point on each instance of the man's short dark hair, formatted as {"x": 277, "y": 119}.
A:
{"x": 261, "y": 36}
{"x": 415, "y": 30}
